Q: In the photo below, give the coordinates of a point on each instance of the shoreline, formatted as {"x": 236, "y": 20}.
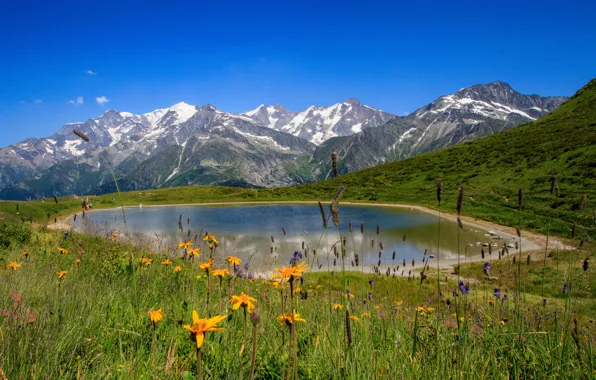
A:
{"x": 537, "y": 242}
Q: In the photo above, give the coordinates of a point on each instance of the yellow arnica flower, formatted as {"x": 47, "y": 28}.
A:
{"x": 207, "y": 265}
{"x": 287, "y": 318}
{"x": 194, "y": 252}
{"x": 502, "y": 322}
{"x": 399, "y": 303}
{"x": 201, "y": 326}
{"x": 156, "y": 315}
{"x": 77, "y": 261}
{"x": 61, "y": 274}
{"x": 420, "y": 308}
{"x": 177, "y": 268}
{"x": 365, "y": 315}
{"x": 221, "y": 273}
{"x": 290, "y": 273}
{"x": 276, "y": 284}
{"x": 185, "y": 244}
{"x": 62, "y": 250}
{"x": 233, "y": 260}
{"x": 166, "y": 262}
{"x": 243, "y": 300}
{"x": 114, "y": 235}
{"x": 145, "y": 261}
{"x": 14, "y": 266}
{"x": 430, "y": 309}
{"x": 26, "y": 253}
{"x": 354, "y": 318}
{"x": 337, "y": 306}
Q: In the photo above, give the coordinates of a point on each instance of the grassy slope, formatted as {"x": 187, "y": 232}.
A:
{"x": 562, "y": 144}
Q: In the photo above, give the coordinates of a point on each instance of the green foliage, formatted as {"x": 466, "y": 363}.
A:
{"x": 13, "y": 233}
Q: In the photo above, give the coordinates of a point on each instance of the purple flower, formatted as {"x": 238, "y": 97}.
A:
{"x": 246, "y": 266}
{"x": 250, "y": 276}
{"x": 565, "y": 288}
{"x": 66, "y": 235}
{"x": 295, "y": 257}
{"x": 504, "y": 298}
{"x": 544, "y": 302}
{"x": 465, "y": 289}
{"x": 371, "y": 283}
{"x": 370, "y": 296}
{"x": 486, "y": 269}
{"x": 497, "y": 293}
{"x": 458, "y": 339}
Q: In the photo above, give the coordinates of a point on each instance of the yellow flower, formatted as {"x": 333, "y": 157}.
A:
{"x": 378, "y": 307}
{"x": 14, "y": 266}
{"x": 177, "y": 268}
{"x": 420, "y": 308}
{"x": 365, "y": 315}
{"x": 145, "y": 261}
{"x": 462, "y": 319}
{"x": 194, "y": 252}
{"x": 430, "y": 309}
{"x": 454, "y": 315}
{"x": 243, "y": 300}
{"x": 166, "y": 262}
{"x": 399, "y": 303}
{"x": 200, "y": 326}
{"x": 26, "y": 253}
{"x": 61, "y": 274}
{"x": 185, "y": 244}
{"x": 221, "y": 273}
{"x": 290, "y": 273}
{"x": 354, "y": 318}
{"x": 276, "y": 284}
{"x": 77, "y": 261}
{"x": 156, "y": 315}
{"x": 206, "y": 265}
{"x": 337, "y": 306}
{"x": 491, "y": 302}
{"x": 287, "y": 318}
{"x": 198, "y": 276}
{"x": 233, "y": 260}
{"x": 212, "y": 240}
{"x": 114, "y": 235}
{"x": 502, "y": 322}
{"x": 62, "y": 250}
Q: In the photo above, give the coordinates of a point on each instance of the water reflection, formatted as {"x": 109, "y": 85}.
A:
{"x": 255, "y": 233}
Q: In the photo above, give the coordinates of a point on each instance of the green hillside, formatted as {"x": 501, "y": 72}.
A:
{"x": 560, "y": 147}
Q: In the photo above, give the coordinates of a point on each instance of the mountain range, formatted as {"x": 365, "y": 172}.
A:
{"x": 266, "y": 147}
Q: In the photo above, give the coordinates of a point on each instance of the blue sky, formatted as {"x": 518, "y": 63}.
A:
{"x": 236, "y": 55}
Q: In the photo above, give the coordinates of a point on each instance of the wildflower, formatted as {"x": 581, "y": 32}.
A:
{"x": 206, "y": 265}
{"x": 337, "y": 306}
{"x": 465, "y": 289}
{"x": 288, "y": 317}
{"x": 200, "y": 326}
{"x": 504, "y": 298}
{"x": 221, "y": 273}
{"x": 194, "y": 252}
{"x": 497, "y": 293}
{"x": 502, "y": 322}
{"x": 185, "y": 244}
{"x": 295, "y": 258}
{"x": 77, "y": 261}
{"x": 177, "y": 268}
{"x": 349, "y": 295}
{"x": 62, "y": 250}
{"x": 354, "y": 318}
{"x": 430, "y": 309}
{"x": 212, "y": 240}
{"x": 420, "y": 308}
{"x": 243, "y": 300}
{"x": 233, "y": 260}
{"x": 365, "y": 315}
{"x": 13, "y": 266}
{"x": 487, "y": 269}
{"x": 370, "y": 296}
{"x": 371, "y": 283}
{"x": 156, "y": 315}
{"x": 491, "y": 302}
{"x": 399, "y": 303}
{"x": 565, "y": 288}
{"x": 61, "y": 274}
{"x": 198, "y": 276}
{"x": 290, "y": 273}
{"x": 166, "y": 262}
{"x": 114, "y": 235}
{"x": 26, "y": 253}
{"x": 544, "y": 302}
{"x": 145, "y": 261}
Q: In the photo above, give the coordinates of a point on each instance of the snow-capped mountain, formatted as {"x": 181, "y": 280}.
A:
{"x": 317, "y": 124}
{"x": 269, "y": 146}
{"x": 470, "y": 113}
{"x": 182, "y": 144}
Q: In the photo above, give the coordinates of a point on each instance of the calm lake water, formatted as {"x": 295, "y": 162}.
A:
{"x": 246, "y": 230}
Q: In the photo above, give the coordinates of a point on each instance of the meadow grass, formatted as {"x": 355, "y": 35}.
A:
{"x": 94, "y": 323}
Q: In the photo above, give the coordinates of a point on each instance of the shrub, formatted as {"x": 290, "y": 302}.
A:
{"x": 13, "y": 233}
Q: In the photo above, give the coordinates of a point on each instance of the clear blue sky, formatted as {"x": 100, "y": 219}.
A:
{"x": 236, "y": 55}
